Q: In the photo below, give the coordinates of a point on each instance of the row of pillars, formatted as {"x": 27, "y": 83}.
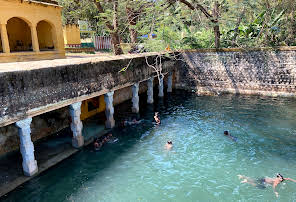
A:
{"x": 29, "y": 164}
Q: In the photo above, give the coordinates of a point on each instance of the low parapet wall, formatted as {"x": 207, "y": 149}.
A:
{"x": 263, "y": 71}
{"x": 30, "y": 89}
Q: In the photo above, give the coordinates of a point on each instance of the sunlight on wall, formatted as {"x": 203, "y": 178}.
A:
{"x": 71, "y": 34}
{"x": 45, "y": 38}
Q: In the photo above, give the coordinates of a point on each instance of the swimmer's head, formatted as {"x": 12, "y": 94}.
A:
{"x": 109, "y": 135}
{"x": 226, "y": 132}
{"x": 170, "y": 142}
{"x": 280, "y": 176}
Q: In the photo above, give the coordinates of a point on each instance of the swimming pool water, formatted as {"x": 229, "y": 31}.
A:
{"x": 202, "y": 166}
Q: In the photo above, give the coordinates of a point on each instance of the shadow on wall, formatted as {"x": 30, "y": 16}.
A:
{"x": 253, "y": 72}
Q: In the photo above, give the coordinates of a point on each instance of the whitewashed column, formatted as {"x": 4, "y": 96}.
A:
{"x": 27, "y": 147}
{"x": 76, "y": 125}
{"x": 170, "y": 83}
{"x": 160, "y": 87}
{"x": 4, "y": 39}
{"x": 135, "y": 99}
{"x": 110, "y": 122}
{"x": 35, "y": 42}
{"x": 150, "y": 91}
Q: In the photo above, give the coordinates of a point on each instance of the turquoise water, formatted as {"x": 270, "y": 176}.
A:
{"x": 202, "y": 166}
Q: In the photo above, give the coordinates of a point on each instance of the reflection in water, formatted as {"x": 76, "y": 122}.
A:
{"x": 202, "y": 165}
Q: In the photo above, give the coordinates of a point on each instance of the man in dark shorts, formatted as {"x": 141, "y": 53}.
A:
{"x": 263, "y": 182}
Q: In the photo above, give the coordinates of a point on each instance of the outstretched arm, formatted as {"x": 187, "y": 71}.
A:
{"x": 290, "y": 179}
{"x": 274, "y": 186}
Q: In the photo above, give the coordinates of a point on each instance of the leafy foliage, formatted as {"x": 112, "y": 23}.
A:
{"x": 243, "y": 23}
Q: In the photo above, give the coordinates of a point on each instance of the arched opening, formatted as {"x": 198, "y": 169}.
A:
{"x": 19, "y": 35}
{"x": 45, "y": 36}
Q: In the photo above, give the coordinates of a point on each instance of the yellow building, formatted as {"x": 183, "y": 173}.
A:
{"x": 72, "y": 35}
{"x": 30, "y": 30}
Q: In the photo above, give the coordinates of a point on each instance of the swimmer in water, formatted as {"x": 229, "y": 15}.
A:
{"x": 169, "y": 145}
{"x": 97, "y": 145}
{"x": 133, "y": 122}
{"x": 263, "y": 182}
{"x": 226, "y": 133}
{"x": 111, "y": 139}
{"x": 156, "y": 118}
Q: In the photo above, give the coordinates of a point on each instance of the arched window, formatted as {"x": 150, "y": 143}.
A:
{"x": 45, "y": 36}
{"x": 19, "y": 35}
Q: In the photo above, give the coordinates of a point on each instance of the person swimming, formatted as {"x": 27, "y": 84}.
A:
{"x": 97, "y": 145}
{"x": 133, "y": 122}
{"x": 157, "y": 119}
{"x": 111, "y": 139}
{"x": 169, "y": 145}
{"x": 261, "y": 183}
{"x": 226, "y": 133}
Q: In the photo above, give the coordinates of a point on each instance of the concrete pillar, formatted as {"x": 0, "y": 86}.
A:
{"x": 76, "y": 125}
{"x": 160, "y": 87}
{"x": 110, "y": 122}
{"x": 4, "y": 39}
{"x": 150, "y": 91}
{"x": 170, "y": 83}
{"x": 35, "y": 42}
{"x": 135, "y": 99}
{"x": 27, "y": 147}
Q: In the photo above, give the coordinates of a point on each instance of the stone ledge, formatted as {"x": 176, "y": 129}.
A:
{"x": 211, "y": 50}
{"x": 34, "y": 65}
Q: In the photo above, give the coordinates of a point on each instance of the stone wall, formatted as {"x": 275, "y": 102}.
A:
{"x": 268, "y": 72}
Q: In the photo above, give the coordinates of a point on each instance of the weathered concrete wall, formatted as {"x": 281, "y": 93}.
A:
{"x": 265, "y": 71}
{"x": 51, "y": 86}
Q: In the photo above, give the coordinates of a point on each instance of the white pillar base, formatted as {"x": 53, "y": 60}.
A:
{"x": 76, "y": 125}
{"x": 135, "y": 99}
{"x": 150, "y": 91}
{"x": 160, "y": 88}
{"x": 30, "y": 168}
{"x": 170, "y": 83}
{"x": 110, "y": 122}
{"x": 27, "y": 147}
{"x": 78, "y": 141}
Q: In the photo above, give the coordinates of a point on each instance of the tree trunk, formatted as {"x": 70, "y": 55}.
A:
{"x": 236, "y": 31}
{"x": 213, "y": 18}
{"x": 114, "y": 35}
{"x": 132, "y": 20}
{"x": 216, "y": 26}
{"x": 113, "y": 28}
{"x": 117, "y": 50}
